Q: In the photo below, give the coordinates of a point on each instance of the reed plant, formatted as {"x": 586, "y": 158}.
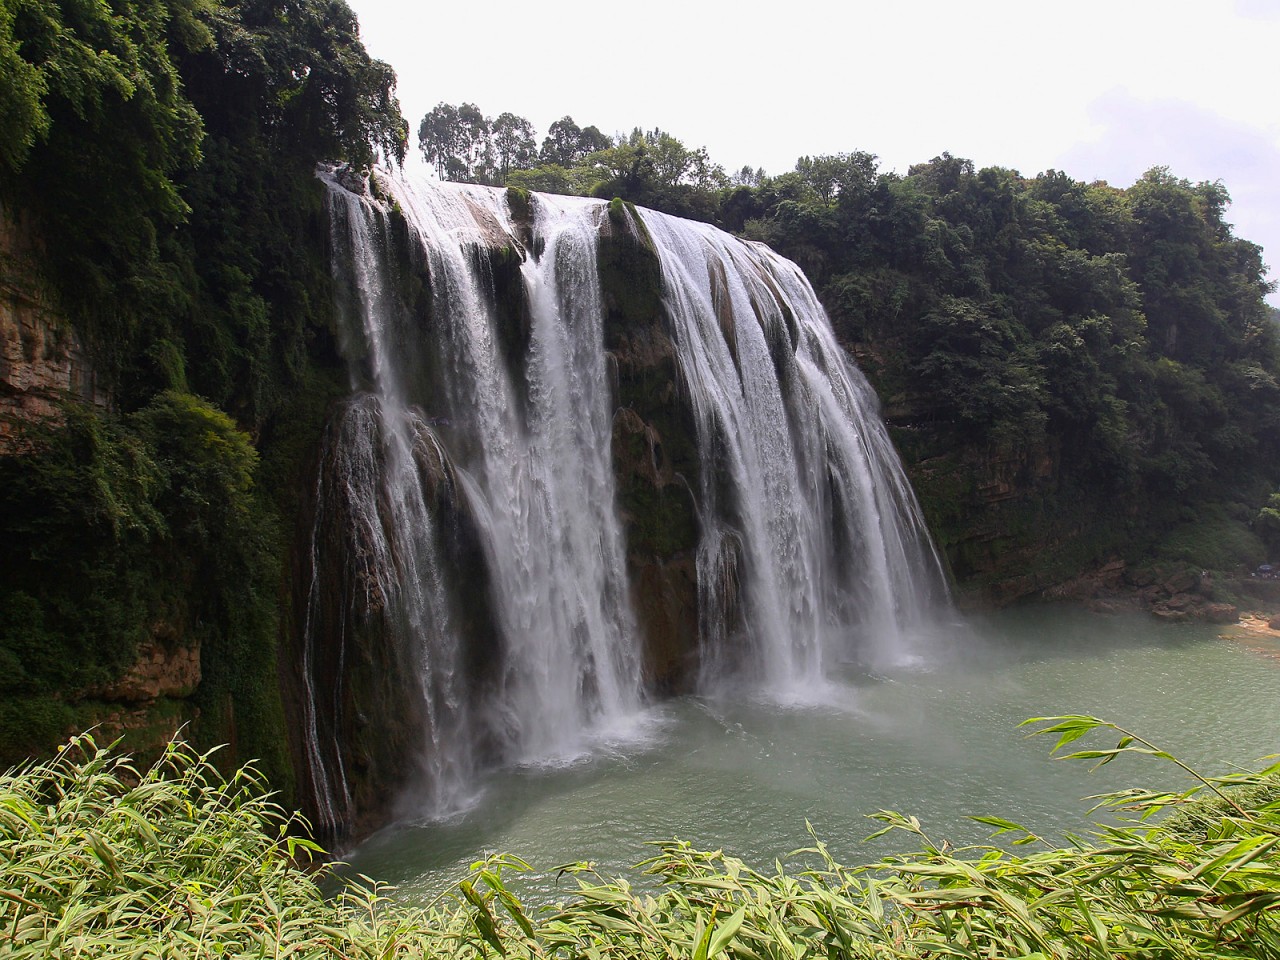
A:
{"x": 98, "y": 859}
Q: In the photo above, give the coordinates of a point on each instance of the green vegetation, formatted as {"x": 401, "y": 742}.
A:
{"x": 124, "y": 529}
{"x": 1119, "y": 335}
{"x": 1214, "y": 539}
{"x": 164, "y": 156}
{"x": 99, "y": 859}
{"x": 648, "y": 167}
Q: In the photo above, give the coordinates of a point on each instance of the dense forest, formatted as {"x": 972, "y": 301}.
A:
{"x": 1073, "y": 371}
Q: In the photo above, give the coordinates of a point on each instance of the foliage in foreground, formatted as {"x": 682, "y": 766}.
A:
{"x": 99, "y": 860}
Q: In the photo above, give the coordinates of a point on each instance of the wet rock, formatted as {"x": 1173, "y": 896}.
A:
{"x": 666, "y": 592}
{"x": 353, "y": 180}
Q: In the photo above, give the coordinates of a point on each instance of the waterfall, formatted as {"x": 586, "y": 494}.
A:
{"x": 469, "y": 570}
{"x": 806, "y": 511}
{"x": 536, "y": 465}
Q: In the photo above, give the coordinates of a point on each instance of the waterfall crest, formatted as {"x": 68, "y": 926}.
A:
{"x": 468, "y": 537}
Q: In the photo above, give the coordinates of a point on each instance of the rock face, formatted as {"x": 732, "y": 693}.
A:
{"x": 150, "y": 703}
{"x": 41, "y": 359}
{"x": 565, "y": 357}
{"x": 1014, "y": 517}
{"x": 655, "y": 458}
{"x": 43, "y": 362}
{"x": 351, "y": 678}
{"x": 365, "y": 725}
{"x": 164, "y": 668}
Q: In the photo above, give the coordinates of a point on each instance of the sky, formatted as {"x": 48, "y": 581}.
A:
{"x": 1100, "y": 89}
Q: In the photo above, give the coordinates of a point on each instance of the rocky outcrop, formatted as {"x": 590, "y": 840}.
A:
{"x": 163, "y": 669}
{"x": 41, "y": 358}
{"x": 1172, "y": 593}
{"x": 149, "y": 703}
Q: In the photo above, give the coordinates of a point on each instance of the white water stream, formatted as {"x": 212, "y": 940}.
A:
{"x": 836, "y": 562}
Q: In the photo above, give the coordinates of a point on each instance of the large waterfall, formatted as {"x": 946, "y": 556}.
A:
{"x": 476, "y": 570}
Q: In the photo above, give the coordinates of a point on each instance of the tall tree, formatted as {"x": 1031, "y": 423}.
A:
{"x": 438, "y": 137}
{"x": 514, "y": 146}
{"x": 456, "y": 141}
{"x": 566, "y": 144}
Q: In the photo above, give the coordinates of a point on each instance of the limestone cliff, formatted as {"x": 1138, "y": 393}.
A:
{"x": 41, "y": 358}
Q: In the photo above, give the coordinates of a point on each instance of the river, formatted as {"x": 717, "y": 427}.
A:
{"x": 938, "y": 739}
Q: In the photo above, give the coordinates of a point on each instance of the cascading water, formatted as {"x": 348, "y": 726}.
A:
{"x": 524, "y": 444}
{"x": 536, "y": 466}
{"x": 381, "y": 466}
{"x": 806, "y": 512}
{"x": 467, "y": 517}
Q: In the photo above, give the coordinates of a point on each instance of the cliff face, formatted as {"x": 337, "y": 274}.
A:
{"x": 1003, "y": 517}
{"x": 41, "y": 358}
{"x": 1012, "y": 518}
{"x": 364, "y": 722}
{"x": 516, "y": 374}
{"x": 42, "y": 363}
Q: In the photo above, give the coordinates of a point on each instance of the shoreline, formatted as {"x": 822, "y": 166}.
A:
{"x": 1252, "y": 624}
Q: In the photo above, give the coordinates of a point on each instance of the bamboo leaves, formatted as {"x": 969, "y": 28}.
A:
{"x": 97, "y": 859}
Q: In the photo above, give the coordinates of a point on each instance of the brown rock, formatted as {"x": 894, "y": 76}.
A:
{"x": 1141, "y": 577}
{"x": 1182, "y": 582}
{"x": 667, "y": 595}
{"x": 41, "y": 358}
{"x": 161, "y": 670}
{"x": 1094, "y": 584}
{"x": 1219, "y": 613}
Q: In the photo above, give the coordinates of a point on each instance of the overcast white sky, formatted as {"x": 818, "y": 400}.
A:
{"x": 1101, "y": 89}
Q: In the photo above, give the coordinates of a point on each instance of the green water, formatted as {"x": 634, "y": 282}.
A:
{"x": 938, "y": 740}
